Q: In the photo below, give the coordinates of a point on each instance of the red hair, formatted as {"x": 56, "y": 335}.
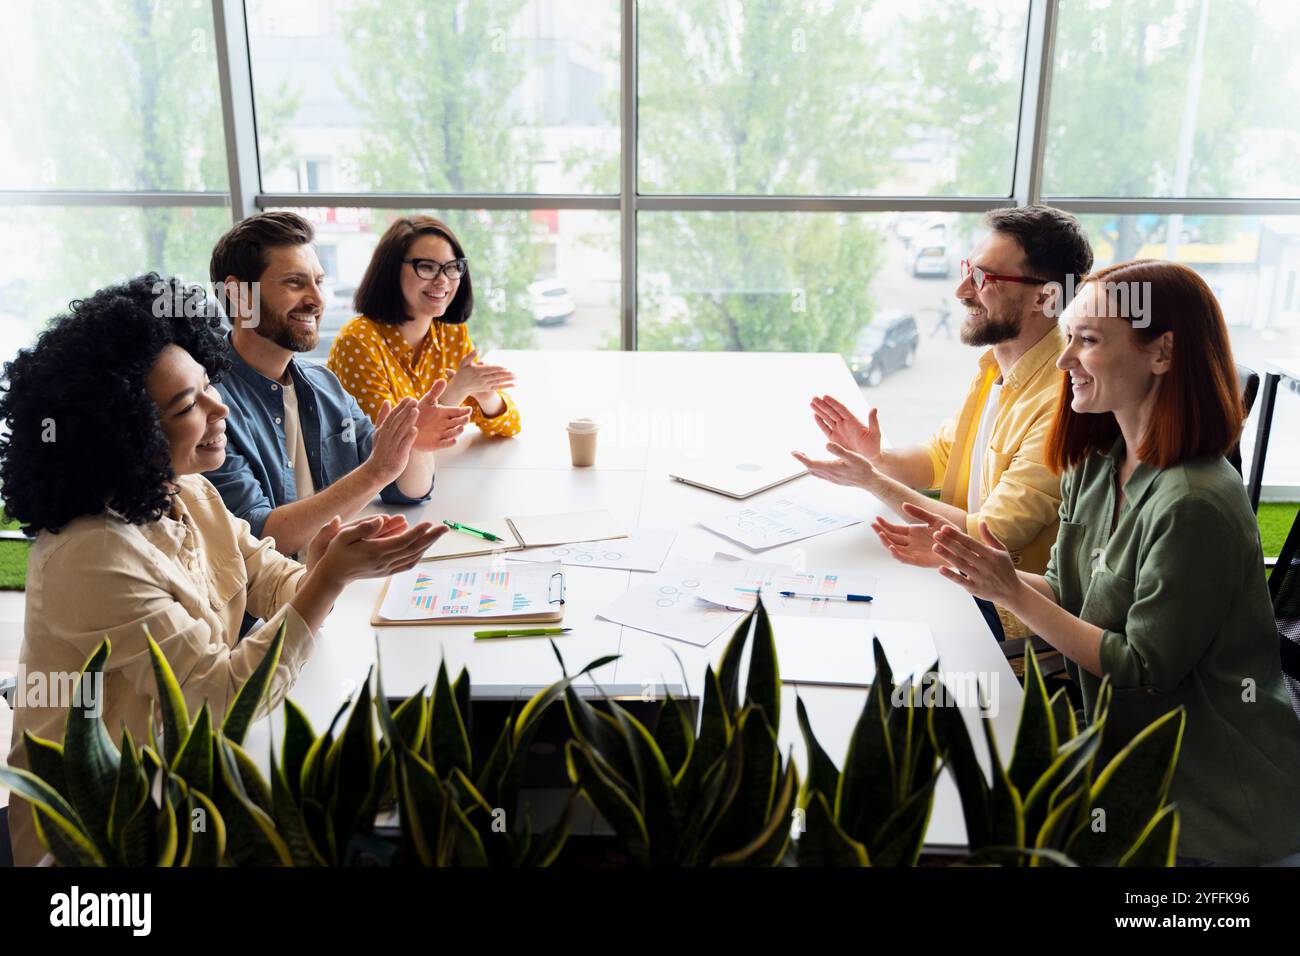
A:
{"x": 1198, "y": 409}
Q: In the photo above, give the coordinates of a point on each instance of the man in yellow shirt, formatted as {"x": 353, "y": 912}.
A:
{"x": 989, "y": 462}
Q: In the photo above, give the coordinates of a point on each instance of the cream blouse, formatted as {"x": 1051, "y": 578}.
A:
{"x": 188, "y": 577}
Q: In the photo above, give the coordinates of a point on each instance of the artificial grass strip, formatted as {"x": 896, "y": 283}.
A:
{"x": 1275, "y": 520}
{"x": 13, "y": 560}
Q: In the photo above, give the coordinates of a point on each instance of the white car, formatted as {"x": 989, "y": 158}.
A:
{"x": 551, "y": 302}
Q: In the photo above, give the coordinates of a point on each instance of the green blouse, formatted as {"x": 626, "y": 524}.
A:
{"x": 1180, "y": 595}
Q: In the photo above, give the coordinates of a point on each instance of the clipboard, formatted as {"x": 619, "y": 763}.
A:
{"x": 552, "y": 612}
{"x": 526, "y": 531}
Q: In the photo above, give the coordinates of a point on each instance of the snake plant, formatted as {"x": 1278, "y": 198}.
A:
{"x": 200, "y": 799}
{"x": 722, "y": 795}
{"x": 1054, "y": 804}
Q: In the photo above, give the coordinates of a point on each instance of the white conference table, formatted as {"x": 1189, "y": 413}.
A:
{"x": 658, "y": 407}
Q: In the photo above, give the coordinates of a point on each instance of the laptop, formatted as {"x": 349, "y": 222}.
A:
{"x": 739, "y": 475}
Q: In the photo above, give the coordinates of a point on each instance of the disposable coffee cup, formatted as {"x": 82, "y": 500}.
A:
{"x": 582, "y": 442}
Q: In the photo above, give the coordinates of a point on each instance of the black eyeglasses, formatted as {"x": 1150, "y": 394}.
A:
{"x": 432, "y": 268}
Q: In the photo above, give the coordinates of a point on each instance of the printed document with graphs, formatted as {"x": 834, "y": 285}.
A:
{"x": 498, "y": 592}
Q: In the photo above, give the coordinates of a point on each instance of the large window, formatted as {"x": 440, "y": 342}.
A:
{"x": 407, "y": 96}
{"x": 672, "y": 174}
{"x": 112, "y": 158}
{"x": 1156, "y": 98}
{"x": 838, "y": 98}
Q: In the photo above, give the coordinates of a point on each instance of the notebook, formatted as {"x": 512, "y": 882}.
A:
{"x": 739, "y": 475}
{"x": 449, "y": 595}
{"x": 525, "y": 531}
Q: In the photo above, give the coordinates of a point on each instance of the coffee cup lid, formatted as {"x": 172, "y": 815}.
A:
{"x": 583, "y": 425}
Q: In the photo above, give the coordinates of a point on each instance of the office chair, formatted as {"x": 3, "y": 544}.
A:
{"x": 1284, "y": 587}
{"x": 1249, "y": 382}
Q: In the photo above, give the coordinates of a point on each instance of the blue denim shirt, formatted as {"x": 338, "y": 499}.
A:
{"x": 256, "y": 476}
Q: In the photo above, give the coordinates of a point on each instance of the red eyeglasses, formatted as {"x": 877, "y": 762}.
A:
{"x": 978, "y": 276}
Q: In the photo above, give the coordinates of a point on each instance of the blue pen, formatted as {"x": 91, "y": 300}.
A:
{"x": 827, "y": 597}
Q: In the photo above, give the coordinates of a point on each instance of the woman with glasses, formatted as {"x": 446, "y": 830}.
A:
{"x": 415, "y": 300}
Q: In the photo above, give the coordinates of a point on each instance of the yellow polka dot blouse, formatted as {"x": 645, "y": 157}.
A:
{"x": 375, "y": 364}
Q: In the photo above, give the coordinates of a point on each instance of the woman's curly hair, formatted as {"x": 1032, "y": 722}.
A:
{"x": 84, "y": 435}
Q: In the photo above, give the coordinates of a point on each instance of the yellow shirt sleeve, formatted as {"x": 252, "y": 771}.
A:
{"x": 504, "y": 425}
{"x": 939, "y": 447}
{"x": 356, "y": 362}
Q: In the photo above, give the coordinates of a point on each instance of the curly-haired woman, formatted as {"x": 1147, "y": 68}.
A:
{"x": 112, "y": 418}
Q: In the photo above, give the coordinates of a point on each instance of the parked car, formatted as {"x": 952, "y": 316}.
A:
{"x": 886, "y": 345}
{"x": 551, "y": 302}
{"x": 928, "y": 253}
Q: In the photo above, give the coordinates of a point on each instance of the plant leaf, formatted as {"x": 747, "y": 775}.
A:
{"x": 25, "y": 784}
{"x": 729, "y": 666}
{"x": 656, "y": 797}
{"x": 209, "y": 840}
{"x": 252, "y": 839}
{"x": 823, "y": 842}
{"x": 68, "y": 843}
{"x": 673, "y": 735}
{"x": 1036, "y": 742}
{"x": 193, "y": 762}
{"x": 866, "y": 789}
{"x": 298, "y": 738}
{"x": 45, "y": 758}
{"x": 763, "y": 684}
{"x": 1130, "y": 791}
{"x": 131, "y": 791}
{"x": 249, "y": 698}
{"x": 175, "y": 715}
{"x": 715, "y": 723}
{"x": 823, "y": 775}
{"x": 586, "y": 770}
{"x": 450, "y": 738}
{"x": 88, "y": 748}
{"x": 1158, "y": 844}
{"x": 1063, "y": 717}
{"x": 768, "y": 848}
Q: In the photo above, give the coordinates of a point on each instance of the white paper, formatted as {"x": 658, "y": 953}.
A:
{"x": 458, "y": 544}
{"x": 774, "y": 523}
{"x": 538, "y": 531}
{"x": 644, "y": 549}
{"x": 735, "y": 583}
{"x": 667, "y": 604}
{"x": 469, "y": 592}
{"x": 839, "y": 651}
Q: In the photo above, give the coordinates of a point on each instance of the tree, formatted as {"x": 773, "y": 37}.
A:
{"x": 433, "y": 84}
{"x": 124, "y": 97}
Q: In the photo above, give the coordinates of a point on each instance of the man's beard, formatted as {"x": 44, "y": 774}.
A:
{"x": 277, "y": 327}
{"x": 992, "y": 330}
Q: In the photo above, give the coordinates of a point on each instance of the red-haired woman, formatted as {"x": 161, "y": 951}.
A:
{"x": 1157, "y": 578}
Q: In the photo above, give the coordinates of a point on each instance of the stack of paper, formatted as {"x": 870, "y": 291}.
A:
{"x": 644, "y": 549}
{"x": 668, "y": 604}
{"x": 736, "y": 583}
{"x": 775, "y": 523}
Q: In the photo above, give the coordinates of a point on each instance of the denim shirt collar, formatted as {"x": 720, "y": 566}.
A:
{"x": 251, "y": 376}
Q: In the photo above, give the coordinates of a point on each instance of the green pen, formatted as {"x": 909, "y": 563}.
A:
{"x": 534, "y": 632}
{"x": 485, "y": 535}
